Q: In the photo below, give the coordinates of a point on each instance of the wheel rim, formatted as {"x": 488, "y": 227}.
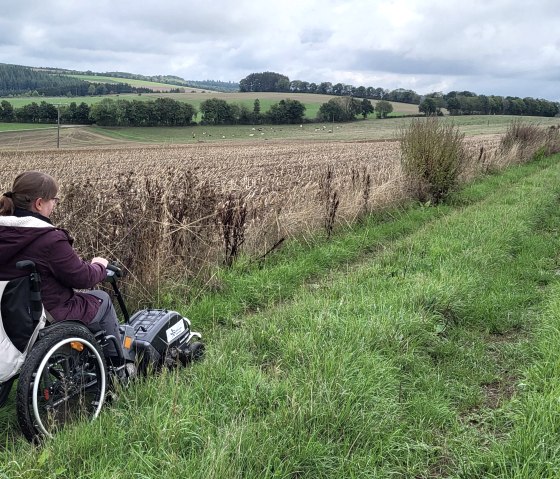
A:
{"x": 69, "y": 383}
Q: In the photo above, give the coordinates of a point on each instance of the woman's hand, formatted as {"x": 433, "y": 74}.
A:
{"x": 100, "y": 260}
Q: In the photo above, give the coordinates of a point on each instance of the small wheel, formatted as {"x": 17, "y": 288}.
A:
{"x": 63, "y": 379}
{"x": 5, "y": 389}
{"x": 193, "y": 352}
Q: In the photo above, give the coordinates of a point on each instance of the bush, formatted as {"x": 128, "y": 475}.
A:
{"x": 531, "y": 141}
{"x": 521, "y": 133}
{"x": 432, "y": 156}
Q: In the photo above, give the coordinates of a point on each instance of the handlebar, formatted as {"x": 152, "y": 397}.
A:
{"x": 114, "y": 269}
{"x": 113, "y": 272}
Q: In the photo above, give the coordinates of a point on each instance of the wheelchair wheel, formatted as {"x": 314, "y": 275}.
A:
{"x": 63, "y": 379}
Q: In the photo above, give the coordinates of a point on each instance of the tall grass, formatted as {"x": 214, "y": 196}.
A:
{"x": 432, "y": 157}
{"x": 402, "y": 363}
{"x": 169, "y": 213}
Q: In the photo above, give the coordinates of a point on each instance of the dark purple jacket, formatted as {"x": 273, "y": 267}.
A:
{"x": 33, "y": 237}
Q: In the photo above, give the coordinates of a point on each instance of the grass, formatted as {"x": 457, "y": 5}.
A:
{"x": 130, "y": 81}
{"x": 24, "y": 126}
{"x": 196, "y": 96}
{"x": 419, "y": 344}
{"x": 362, "y": 130}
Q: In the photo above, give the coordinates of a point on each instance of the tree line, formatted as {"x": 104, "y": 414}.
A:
{"x": 169, "y": 112}
{"x": 469, "y": 103}
{"x": 457, "y": 103}
{"x": 19, "y": 80}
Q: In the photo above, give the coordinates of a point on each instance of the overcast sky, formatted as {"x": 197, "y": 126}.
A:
{"x": 502, "y": 47}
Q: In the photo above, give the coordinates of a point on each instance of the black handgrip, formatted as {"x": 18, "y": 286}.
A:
{"x": 115, "y": 269}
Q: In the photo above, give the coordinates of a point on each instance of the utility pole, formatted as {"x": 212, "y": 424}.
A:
{"x": 58, "y": 126}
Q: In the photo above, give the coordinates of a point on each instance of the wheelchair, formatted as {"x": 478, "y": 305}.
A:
{"x": 64, "y": 375}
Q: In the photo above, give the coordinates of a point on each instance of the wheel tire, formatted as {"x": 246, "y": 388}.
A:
{"x": 63, "y": 378}
{"x": 193, "y": 352}
{"x": 5, "y": 389}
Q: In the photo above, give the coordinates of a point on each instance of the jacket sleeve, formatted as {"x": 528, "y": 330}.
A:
{"x": 68, "y": 268}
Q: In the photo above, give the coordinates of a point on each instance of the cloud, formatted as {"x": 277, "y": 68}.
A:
{"x": 476, "y": 45}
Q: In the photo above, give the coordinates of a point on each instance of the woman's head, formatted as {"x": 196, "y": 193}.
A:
{"x": 32, "y": 190}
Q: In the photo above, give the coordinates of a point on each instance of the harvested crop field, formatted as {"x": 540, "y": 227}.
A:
{"x": 193, "y": 206}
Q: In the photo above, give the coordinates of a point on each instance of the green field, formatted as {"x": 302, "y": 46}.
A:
{"x": 130, "y": 81}
{"x": 37, "y": 136}
{"x": 195, "y": 97}
{"x": 370, "y": 129}
{"x": 420, "y": 343}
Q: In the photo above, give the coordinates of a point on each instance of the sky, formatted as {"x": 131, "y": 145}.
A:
{"x": 499, "y": 47}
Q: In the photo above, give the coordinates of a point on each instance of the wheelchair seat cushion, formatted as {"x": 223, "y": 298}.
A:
{"x": 18, "y": 330}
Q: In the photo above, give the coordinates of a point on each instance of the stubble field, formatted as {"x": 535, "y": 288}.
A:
{"x": 189, "y": 207}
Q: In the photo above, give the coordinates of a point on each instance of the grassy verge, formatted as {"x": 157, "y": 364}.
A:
{"x": 400, "y": 349}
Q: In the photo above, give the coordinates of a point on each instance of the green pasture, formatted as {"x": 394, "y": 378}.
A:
{"x": 371, "y": 129}
{"x": 130, "y": 81}
{"x": 195, "y": 97}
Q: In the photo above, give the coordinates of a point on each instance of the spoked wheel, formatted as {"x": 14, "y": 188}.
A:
{"x": 63, "y": 379}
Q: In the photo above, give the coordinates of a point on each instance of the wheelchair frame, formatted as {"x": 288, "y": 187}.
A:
{"x": 65, "y": 374}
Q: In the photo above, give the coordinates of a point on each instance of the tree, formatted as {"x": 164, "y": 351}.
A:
{"x": 383, "y": 108}
{"x": 366, "y": 107}
{"x": 6, "y": 111}
{"x": 428, "y": 107}
{"x": 216, "y": 112}
{"x": 403, "y": 96}
{"x": 82, "y": 114}
{"x": 68, "y": 113}
{"x": 340, "y": 109}
{"x": 103, "y": 113}
{"x": 256, "y": 117}
{"x": 361, "y": 92}
{"x": 331, "y": 111}
{"x": 286, "y": 111}
{"x": 266, "y": 81}
{"x": 257, "y": 107}
{"x": 48, "y": 113}
{"x": 337, "y": 89}
{"x": 454, "y": 106}
{"x": 325, "y": 88}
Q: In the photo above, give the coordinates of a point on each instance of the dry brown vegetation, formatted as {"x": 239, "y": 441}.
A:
{"x": 176, "y": 212}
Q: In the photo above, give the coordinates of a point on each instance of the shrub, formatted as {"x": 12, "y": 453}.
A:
{"x": 432, "y": 155}
{"x": 530, "y": 141}
{"x": 521, "y": 133}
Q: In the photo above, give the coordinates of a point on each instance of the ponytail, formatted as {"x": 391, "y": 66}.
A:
{"x": 6, "y": 204}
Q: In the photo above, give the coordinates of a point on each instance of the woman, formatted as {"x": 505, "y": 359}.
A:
{"x": 26, "y": 233}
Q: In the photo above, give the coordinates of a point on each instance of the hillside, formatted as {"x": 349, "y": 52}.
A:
{"x": 17, "y": 80}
